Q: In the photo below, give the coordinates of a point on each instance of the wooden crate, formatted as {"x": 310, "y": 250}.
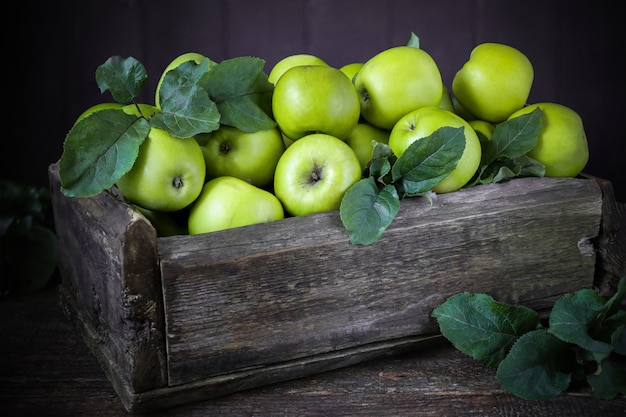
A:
{"x": 184, "y": 318}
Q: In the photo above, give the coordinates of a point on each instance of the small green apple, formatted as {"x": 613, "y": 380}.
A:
{"x": 461, "y": 111}
{"x": 423, "y": 122}
{"x": 96, "y": 108}
{"x": 167, "y": 175}
{"x": 292, "y": 61}
{"x": 313, "y": 174}
{"x": 186, "y": 57}
{"x": 484, "y": 130}
{"x": 446, "y": 100}
{"x": 164, "y": 222}
{"x": 494, "y": 82}
{"x": 228, "y": 202}
{"x": 250, "y": 156}
{"x": 351, "y": 69}
{"x": 562, "y": 144}
{"x": 315, "y": 99}
{"x": 360, "y": 140}
{"x": 395, "y": 82}
{"x": 141, "y": 110}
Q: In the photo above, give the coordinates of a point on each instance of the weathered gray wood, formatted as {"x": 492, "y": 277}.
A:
{"x": 48, "y": 371}
{"x": 108, "y": 262}
{"x": 268, "y": 294}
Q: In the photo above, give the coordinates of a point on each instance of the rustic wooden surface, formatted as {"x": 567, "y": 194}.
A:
{"x": 46, "y": 370}
{"x": 271, "y": 293}
{"x": 108, "y": 261}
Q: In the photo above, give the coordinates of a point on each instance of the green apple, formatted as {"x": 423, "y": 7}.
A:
{"x": 186, "y": 57}
{"x": 562, "y": 144}
{"x": 167, "y": 175}
{"x": 141, "y": 110}
{"x": 395, "y": 82}
{"x": 315, "y": 99}
{"x": 164, "y": 222}
{"x": 461, "y": 111}
{"x": 361, "y": 141}
{"x": 446, "y": 100}
{"x": 250, "y": 156}
{"x": 494, "y": 82}
{"x": 313, "y": 174}
{"x": 423, "y": 122}
{"x": 351, "y": 69}
{"x": 484, "y": 130}
{"x": 293, "y": 61}
{"x": 96, "y": 108}
{"x": 228, "y": 202}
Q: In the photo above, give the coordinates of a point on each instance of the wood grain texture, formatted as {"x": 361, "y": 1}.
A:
{"x": 266, "y": 294}
{"x": 107, "y": 259}
{"x": 46, "y": 370}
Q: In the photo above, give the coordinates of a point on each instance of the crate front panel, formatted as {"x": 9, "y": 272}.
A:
{"x": 267, "y": 294}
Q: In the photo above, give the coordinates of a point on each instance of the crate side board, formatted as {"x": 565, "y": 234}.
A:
{"x": 285, "y": 295}
{"x": 611, "y": 243}
{"x": 215, "y": 387}
{"x": 110, "y": 286}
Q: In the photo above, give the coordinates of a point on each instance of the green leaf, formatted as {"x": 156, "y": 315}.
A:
{"x": 414, "y": 41}
{"x": 609, "y": 380}
{"x": 505, "y": 169}
{"x": 125, "y": 78}
{"x": 481, "y": 327}
{"x": 380, "y": 163}
{"x": 428, "y": 160}
{"x": 613, "y": 303}
{"x": 620, "y": 342}
{"x": 186, "y": 109}
{"x": 514, "y": 137}
{"x": 98, "y": 150}
{"x": 366, "y": 211}
{"x": 539, "y": 366}
{"x": 576, "y": 318}
{"x": 242, "y": 93}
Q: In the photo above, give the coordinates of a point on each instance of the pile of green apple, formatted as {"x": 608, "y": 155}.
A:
{"x": 226, "y": 145}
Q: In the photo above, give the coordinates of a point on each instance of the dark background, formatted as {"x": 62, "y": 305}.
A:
{"x": 578, "y": 50}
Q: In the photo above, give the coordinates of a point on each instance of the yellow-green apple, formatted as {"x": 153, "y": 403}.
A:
{"x": 461, "y": 111}
{"x": 96, "y": 108}
{"x": 562, "y": 144}
{"x": 484, "y": 130}
{"x": 291, "y": 61}
{"x": 164, "y": 222}
{"x": 175, "y": 63}
{"x": 167, "y": 175}
{"x": 362, "y": 141}
{"x": 421, "y": 123}
{"x": 351, "y": 69}
{"x": 483, "y": 127}
{"x": 313, "y": 174}
{"x": 250, "y": 156}
{"x": 315, "y": 99}
{"x": 446, "y": 100}
{"x": 396, "y": 81}
{"x": 228, "y": 202}
{"x": 494, "y": 82}
{"x": 141, "y": 110}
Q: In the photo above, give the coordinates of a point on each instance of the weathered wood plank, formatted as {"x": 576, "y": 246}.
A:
{"x": 266, "y": 294}
{"x": 107, "y": 258}
{"x": 48, "y": 371}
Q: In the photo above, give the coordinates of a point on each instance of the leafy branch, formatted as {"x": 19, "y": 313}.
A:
{"x": 369, "y": 207}
{"x": 194, "y": 99}
{"x": 534, "y": 362}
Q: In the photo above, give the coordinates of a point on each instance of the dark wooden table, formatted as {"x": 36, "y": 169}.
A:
{"x": 47, "y": 370}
